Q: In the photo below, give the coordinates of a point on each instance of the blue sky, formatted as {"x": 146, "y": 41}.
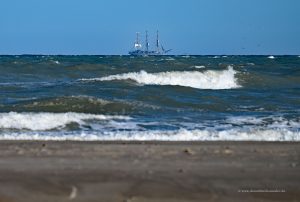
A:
{"x": 186, "y": 26}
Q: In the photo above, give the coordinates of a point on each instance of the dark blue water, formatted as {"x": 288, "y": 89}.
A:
{"x": 150, "y": 98}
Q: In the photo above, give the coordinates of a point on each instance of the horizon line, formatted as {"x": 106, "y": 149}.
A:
{"x": 33, "y": 54}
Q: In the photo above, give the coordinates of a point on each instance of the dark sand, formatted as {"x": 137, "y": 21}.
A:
{"x": 151, "y": 171}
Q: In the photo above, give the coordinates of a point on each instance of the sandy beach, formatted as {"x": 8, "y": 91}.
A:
{"x": 149, "y": 171}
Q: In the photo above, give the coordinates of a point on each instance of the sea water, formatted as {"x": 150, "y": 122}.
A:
{"x": 179, "y": 98}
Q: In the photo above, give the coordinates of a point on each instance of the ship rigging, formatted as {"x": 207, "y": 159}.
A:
{"x": 138, "y": 49}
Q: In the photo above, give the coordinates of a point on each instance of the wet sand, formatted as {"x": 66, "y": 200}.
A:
{"x": 149, "y": 171}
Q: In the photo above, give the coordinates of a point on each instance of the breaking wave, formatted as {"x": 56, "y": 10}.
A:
{"x": 48, "y": 121}
{"x": 209, "y": 79}
{"x": 199, "y": 66}
{"x": 159, "y": 135}
{"x": 91, "y": 127}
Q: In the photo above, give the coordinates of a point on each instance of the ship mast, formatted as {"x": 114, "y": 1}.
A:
{"x": 157, "y": 42}
{"x": 137, "y": 44}
{"x": 147, "y": 43}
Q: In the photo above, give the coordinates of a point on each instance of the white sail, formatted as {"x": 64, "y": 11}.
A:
{"x": 137, "y": 45}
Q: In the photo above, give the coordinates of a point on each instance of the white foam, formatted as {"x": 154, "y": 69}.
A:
{"x": 47, "y": 121}
{"x": 271, "y": 57}
{"x": 38, "y": 126}
{"x": 185, "y": 56}
{"x": 179, "y": 135}
{"x": 55, "y": 62}
{"x": 199, "y": 66}
{"x": 244, "y": 120}
{"x": 268, "y": 122}
{"x": 210, "y": 79}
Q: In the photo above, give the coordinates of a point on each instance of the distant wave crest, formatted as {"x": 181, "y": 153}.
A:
{"x": 210, "y": 79}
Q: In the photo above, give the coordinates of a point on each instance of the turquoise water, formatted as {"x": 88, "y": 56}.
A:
{"x": 150, "y": 98}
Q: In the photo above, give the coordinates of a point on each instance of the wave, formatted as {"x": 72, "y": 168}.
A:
{"x": 210, "y": 79}
{"x": 80, "y": 104}
{"x": 199, "y": 66}
{"x": 80, "y": 126}
{"x": 159, "y": 135}
{"x": 48, "y": 121}
{"x": 30, "y": 84}
{"x": 266, "y": 122}
{"x": 55, "y": 62}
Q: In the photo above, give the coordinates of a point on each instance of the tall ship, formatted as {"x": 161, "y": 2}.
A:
{"x": 138, "y": 49}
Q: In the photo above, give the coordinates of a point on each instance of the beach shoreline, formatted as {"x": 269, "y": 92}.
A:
{"x": 149, "y": 171}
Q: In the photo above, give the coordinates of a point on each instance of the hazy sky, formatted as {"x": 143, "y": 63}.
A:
{"x": 186, "y": 26}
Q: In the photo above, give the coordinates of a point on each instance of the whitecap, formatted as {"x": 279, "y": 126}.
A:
{"x": 271, "y": 57}
{"x": 185, "y": 56}
{"x": 48, "y": 121}
{"x": 159, "y": 135}
{"x": 55, "y": 62}
{"x": 170, "y": 59}
{"x": 244, "y": 120}
{"x": 237, "y": 128}
{"x": 199, "y": 66}
{"x": 210, "y": 79}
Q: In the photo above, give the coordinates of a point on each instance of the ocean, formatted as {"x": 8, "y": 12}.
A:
{"x": 166, "y": 98}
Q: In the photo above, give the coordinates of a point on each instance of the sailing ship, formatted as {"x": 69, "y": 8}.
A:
{"x": 138, "y": 49}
